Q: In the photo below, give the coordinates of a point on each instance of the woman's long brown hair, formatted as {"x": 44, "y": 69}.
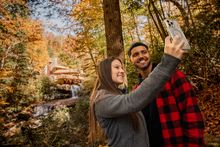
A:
{"x": 104, "y": 81}
{"x": 95, "y": 131}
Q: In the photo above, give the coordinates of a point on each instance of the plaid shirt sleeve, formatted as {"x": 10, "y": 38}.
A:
{"x": 192, "y": 121}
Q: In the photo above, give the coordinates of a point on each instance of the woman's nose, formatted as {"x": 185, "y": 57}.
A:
{"x": 122, "y": 70}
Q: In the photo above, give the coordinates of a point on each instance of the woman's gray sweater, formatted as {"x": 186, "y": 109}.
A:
{"x": 112, "y": 111}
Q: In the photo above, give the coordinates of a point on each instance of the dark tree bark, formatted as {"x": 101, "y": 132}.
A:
{"x": 155, "y": 21}
{"x": 159, "y": 21}
{"x": 113, "y": 28}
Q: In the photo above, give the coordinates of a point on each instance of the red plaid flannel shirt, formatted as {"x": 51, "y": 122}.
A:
{"x": 180, "y": 117}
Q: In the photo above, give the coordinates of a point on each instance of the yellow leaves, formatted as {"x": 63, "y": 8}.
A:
{"x": 7, "y": 89}
{"x": 4, "y": 73}
{"x": 209, "y": 102}
{"x": 38, "y": 53}
{"x": 21, "y": 2}
{"x": 103, "y": 145}
{"x": 10, "y": 89}
{"x": 15, "y": 129}
{"x": 1, "y": 120}
{"x": 20, "y": 29}
{"x": 2, "y": 103}
{"x": 69, "y": 44}
{"x": 88, "y": 11}
{"x": 11, "y": 29}
{"x": 32, "y": 29}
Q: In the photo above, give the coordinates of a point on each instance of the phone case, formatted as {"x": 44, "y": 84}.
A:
{"x": 174, "y": 29}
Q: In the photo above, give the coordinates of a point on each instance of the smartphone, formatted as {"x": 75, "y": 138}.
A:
{"x": 174, "y": 29}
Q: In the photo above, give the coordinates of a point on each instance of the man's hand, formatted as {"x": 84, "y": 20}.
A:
{"x": 174, "y": 48}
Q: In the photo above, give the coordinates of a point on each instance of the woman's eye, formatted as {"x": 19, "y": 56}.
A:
{"x": 117, "y": 67}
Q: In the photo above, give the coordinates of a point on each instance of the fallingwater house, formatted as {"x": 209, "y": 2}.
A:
{"x": 68, "y": 80}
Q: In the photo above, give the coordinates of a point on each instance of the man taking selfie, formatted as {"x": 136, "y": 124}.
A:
{"x": 173, "y": 118}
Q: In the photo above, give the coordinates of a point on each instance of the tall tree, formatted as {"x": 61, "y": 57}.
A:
{"x": 90, "y": 31}
{"x": 113, "y": 28}
{"x": 22, "y": 52}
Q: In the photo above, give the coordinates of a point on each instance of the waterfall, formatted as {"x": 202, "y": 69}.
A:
{"x": 42, "y": 110}
{"x": 74, "y": 90}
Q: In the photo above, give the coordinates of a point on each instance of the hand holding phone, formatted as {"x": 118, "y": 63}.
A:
{"x": 174, "y": 29}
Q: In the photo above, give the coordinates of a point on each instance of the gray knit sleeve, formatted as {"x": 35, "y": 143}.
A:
{"x": 115, "y": 105}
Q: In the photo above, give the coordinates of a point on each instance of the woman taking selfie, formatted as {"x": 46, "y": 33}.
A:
{"x": 119, "y": 114}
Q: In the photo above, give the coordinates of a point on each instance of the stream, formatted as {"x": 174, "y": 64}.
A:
{"x": 45, "y": 108}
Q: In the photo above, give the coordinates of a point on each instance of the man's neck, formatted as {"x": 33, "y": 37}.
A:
{"x": 145, "y": 72}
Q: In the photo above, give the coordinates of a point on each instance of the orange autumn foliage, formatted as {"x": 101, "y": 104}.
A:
{"x": 209, "y": 103}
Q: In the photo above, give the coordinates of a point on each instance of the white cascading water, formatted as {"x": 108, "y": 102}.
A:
{"x": 74, "y": 90}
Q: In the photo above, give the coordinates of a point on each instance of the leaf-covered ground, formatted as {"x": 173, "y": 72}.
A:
{"x": 210, "y": 106}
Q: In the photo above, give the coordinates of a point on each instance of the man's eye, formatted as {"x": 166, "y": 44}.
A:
{"x": 144, "y": 52}
{"x": 134, "y": 55}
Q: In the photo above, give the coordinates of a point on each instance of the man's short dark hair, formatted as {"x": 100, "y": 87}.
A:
{"x": 135, "y": 45}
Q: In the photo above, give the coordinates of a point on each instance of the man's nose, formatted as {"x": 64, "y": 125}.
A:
{"x": 140, "y": 55}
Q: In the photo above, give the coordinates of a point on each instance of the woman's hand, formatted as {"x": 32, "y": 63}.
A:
{"x": 174, "y": 48}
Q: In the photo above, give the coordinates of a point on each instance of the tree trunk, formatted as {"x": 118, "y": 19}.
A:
{"x": 113, "y": 28}
{"x": 159, "y": 21}
{"x": 150, "y": 31}
{"x": 154, "y": 20}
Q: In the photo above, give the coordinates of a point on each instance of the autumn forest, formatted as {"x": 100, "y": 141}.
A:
{"x": 49, "y": 52}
